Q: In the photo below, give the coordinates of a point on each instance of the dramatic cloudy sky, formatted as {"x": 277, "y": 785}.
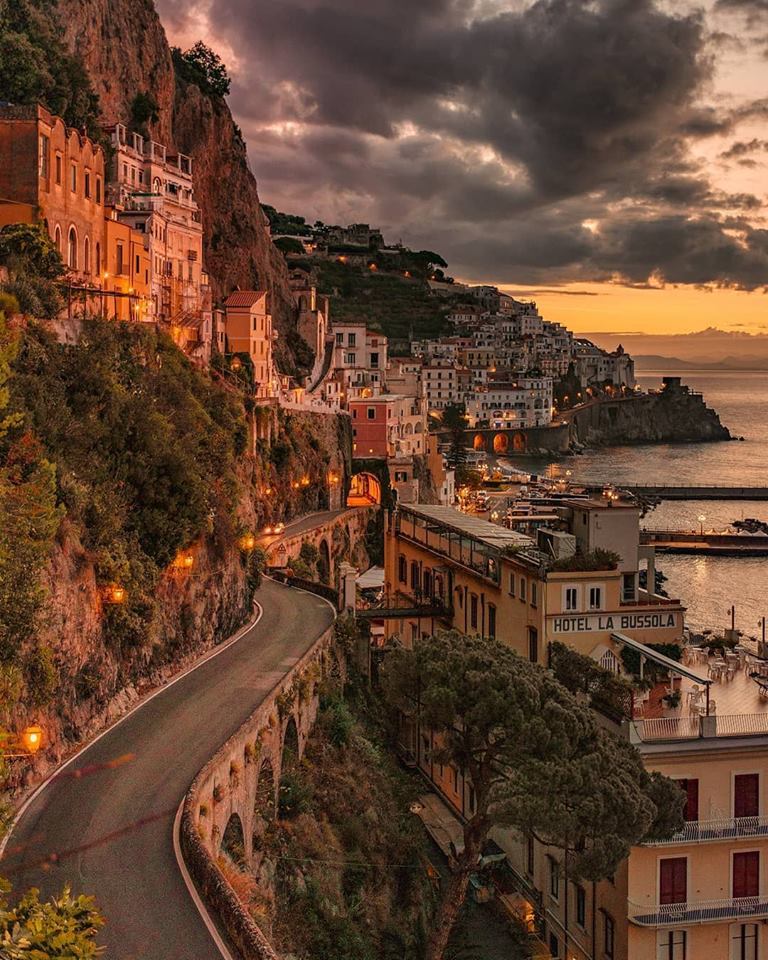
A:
{"x": 608, "y": 156}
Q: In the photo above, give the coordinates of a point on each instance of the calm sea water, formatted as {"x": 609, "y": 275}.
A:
{"x": 707, "y": 585}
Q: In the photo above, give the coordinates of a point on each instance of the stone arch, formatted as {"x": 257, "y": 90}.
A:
{"x": 519, "y": 443}
{"x": 364, "y": 490}
{"x": 233, "y": 841}
{"x": 290, "y": 751}
{"x": 479, "y": 442}
{"x": 57, "y": 238}
{"x": 72, "y": 248}
{"x": 263, "y": 808}
{"x": 501, "y": 443}
{"x": 324, "y": 561}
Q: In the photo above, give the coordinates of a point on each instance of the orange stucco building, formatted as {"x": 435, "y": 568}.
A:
{"x": 51, "y": 174}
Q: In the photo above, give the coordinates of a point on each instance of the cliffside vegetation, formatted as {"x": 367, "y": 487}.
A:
{"x": 350, "y": 878}
{"x": 35, "y": 66}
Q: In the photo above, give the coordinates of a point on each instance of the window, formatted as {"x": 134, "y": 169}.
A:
{"x": 473, "y": 611}
{"x": 97, "y": 264}
{"x": 691, "y": 790}
{"x": 670, "y": 944}
{"x": 609, "y": 936}
{"x": 87, "y": 185}
{"x": 72, "y": 249}
{"x": 59, "y": 172}
{"x": 491, "y": 621}
{"x": 673, "y": 880}
{"x": 374, "y": 361}
{"x": 744, "y": 942}
{"x": 73, "y": 178}
{"x": 534, "y": 593}
{"x": 628, "y": 587}
{"x": 349, "y": 358}
{"x": 554, "y": 946}
{"x": 45, "y": 152}
{"x": 98, "y": 189}
{"x": 581, "y": 906}
{"x": 511, "y": 584}
{"x": 87, "y": 255}
{"x": 57, "y": 238}
{"x": 746, "y": 874}
{"x": 523, "y": 588}
{"x": 746, "y": 795}
{"x": 402, "y": 569}
{"x": 352, "y": 340}
{"x": 120, "y": 264}
{"x": 554, "y": 878}
{"x": 595, "y": 598}
{"x": 530, "y": 856}
{"x": 415, "y": 577}
{"x": 571, "y": 598}
{"x": 371, "y": 413}
{"x": 339, "y": 339}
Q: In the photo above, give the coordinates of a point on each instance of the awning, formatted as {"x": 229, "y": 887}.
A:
{"x": 371, "y": 579}
{"x": 659, "y": 658}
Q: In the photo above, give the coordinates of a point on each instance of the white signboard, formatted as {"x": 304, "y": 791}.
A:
{"x": 599, "y": 623}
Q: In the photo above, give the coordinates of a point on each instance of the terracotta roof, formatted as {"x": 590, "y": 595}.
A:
{"x": 245, "y": 298}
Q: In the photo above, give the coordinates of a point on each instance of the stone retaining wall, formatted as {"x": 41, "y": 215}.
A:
{"x": 229, "y": 784}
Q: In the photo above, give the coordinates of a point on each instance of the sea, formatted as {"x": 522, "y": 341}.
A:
{"x": 708, "y": 586}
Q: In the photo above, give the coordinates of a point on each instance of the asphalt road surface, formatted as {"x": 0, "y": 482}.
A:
{"x": 107, "y": 818}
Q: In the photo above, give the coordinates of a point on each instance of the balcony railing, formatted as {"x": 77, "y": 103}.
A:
{"x": 691, "y": 727}
{"x": 703, "y": 911}
{"x": 726, "y": 828}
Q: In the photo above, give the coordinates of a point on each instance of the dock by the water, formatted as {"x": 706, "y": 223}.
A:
{"x": 707, "y": 544}
{"x": 698, "y": 493}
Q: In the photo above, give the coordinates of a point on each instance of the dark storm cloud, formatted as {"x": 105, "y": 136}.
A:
{"x": 492, "y": 136}
{"x": 752, "y": 7}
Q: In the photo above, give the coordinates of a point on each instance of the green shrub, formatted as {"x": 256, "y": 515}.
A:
{"x": 337, "y": 721}
{"x": 295, "y": 795}
{"x": 41, "y": 675}
{"x": 594, "y": 560}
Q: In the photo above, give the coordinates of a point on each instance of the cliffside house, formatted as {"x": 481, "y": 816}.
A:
{"x": 54, "y": 175}
{"x": 248, "y": 330}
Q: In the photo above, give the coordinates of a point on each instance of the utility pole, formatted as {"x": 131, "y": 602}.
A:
{"x": 761, "y": 648}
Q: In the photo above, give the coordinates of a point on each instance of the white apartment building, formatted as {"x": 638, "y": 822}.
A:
{"x": 524, "y": 402}
{"x": 440, "y": 380}
{"x": 153, "y": 191}
{"x": 360, "y": 358}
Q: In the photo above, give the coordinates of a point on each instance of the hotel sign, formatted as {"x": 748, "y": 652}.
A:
{"x": 599, "y": 623}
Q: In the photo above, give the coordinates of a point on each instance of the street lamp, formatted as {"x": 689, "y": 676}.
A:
{"x": 702, "y": 518}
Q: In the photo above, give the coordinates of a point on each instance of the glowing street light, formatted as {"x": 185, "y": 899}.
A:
{"x": 32, "y": 738}
{"x": 115, "y": 593}
{"x": 247, "y": 542}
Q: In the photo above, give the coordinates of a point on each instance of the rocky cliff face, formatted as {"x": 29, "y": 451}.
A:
{"x": 673, "y": 416}
{"x": 123, "y": 47}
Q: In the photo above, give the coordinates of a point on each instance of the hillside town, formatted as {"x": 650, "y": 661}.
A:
{"x": 130, "y": 232}
{"x": 367, "y": 505}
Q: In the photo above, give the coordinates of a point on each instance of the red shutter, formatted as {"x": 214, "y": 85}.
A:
{"x": 746, "y": 795}
{"x": 673, "y": 880}
{"x": 746, "y": 874}
{"x": 691, "y": 790}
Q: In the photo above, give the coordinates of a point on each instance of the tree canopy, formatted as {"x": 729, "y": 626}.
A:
{"x": 455, "y": 421}
{"x": 34, "y": 266}
{"x": 536, "y": 757}
{"x": 204, "y": 67}
{"x": 36, "y": 67}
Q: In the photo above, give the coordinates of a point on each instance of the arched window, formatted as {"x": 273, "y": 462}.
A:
{"x": 57, "y": 238}
{"x": 97, "y": 264}
{"x": 72, "y": 249}
{"x": 87, "y": 255}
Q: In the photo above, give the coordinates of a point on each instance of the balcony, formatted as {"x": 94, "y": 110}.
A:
{"x": 703, "y": 911}
{"x": 708, "y": 831}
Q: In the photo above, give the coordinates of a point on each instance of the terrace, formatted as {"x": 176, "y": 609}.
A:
{"x": 705, "y": 697}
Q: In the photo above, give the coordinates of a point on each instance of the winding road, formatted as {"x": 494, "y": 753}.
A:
{"x": 104, "y": 823}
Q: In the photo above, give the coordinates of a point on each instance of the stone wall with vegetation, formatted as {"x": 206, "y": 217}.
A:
{"x": 123, "y": 467}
